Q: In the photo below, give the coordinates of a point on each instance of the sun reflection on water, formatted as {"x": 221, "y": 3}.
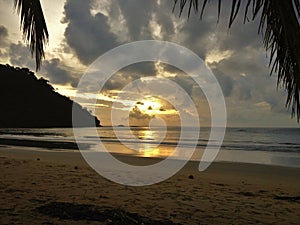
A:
{"x": 147, "y": 148}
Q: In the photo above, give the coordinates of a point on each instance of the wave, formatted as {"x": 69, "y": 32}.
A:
{"x": 247, "y": 139}
{"x": 262, "y": 146}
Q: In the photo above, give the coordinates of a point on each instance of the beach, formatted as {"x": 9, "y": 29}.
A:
{"x": 149, "y": 112}
{"x": 47, "y": 187}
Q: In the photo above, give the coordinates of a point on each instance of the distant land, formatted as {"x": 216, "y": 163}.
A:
{"x": 29, "y": 102}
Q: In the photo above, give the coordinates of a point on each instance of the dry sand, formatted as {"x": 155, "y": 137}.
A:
{"x": 39, "y": 187}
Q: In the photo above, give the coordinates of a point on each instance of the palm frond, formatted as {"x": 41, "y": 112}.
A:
{"x": 33, "y": 26}
{"x": 281, "y": 30}
{"x": 279, "y": 24}
{"x": 297, "y": 6}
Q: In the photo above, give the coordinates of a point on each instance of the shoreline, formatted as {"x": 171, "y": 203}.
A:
{"x": 257, "y": 157}
{"x": 32, "y": 150}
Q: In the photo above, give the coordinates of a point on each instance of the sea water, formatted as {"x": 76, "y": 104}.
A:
{"x": 274, "y": 146}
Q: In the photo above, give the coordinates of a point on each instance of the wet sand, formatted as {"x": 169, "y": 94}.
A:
{"x": 54, "y": 187}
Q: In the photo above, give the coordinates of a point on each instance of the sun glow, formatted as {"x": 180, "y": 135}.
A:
{"x": 153, "y": 106}
{"x": 149, "y": 106}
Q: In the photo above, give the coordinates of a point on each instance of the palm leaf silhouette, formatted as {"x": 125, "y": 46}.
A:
{"x": 33, "y": 26}
{"x": 279, "y": 25}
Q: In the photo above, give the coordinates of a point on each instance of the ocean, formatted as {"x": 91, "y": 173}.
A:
{"x": 273, "y": 146}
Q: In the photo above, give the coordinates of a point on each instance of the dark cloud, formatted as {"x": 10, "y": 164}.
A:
{"x": 91, "y": 35}
{"x": 20, "y": 56}
{"x": 129, "y": 74}
{"x": 137, "y": 14}
{"x": 58, "y": 73}
{"x": 185, "y": 82}
{"x": 3, "y": 36}
{"x": 138, "y": 70}
{"x": 198, "y": 36}
{"x": 3, "y": 41}
{"x": 241, "y": 36}
{"x": 116, "y": 82}
{"x": 275, "y": 97}
{"x": 136, "y": 113}
{"x": 251, "y": 62}
{"x": 88, "y": 35}
{"x": 277, "y": 105}
{"x": 53, "y": 69}
{"x": 226, "y": 82}
{"x": 164, "y": 18}
{"x": 242, "y": 90}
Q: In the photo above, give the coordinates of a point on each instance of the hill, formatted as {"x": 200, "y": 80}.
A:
{"x": 27, "y": 101}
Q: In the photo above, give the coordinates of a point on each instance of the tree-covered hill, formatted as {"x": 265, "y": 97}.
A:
{"x": 26, "y": 101}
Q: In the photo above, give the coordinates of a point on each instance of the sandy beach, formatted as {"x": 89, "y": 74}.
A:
{"x": 195, "y": 104}
{"x": 47, "y": 187}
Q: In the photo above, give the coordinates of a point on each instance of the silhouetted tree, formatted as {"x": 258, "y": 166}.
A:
{"x": 30, "y": 102}
{"x": 279, "y": 24}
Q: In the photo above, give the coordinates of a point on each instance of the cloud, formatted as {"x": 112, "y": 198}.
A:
{"x": 225, "y": 81}
{"x": 58, "y": 73}
{"x": 53, "y": 69}
{"x": 3, "y": 36}
{"x": 137, "y": 15}
{"x": 136, "y": 113}
{"x": 88, "y": 35}
{"x": 91, "y": 32}
{"x": 3, "y": 42}
{"x": 154, "y": 18}
{"x": 138, "y": 70}
{"x": 20, "y": 56}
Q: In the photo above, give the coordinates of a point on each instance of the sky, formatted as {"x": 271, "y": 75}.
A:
{"x": 81, "y": 31}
